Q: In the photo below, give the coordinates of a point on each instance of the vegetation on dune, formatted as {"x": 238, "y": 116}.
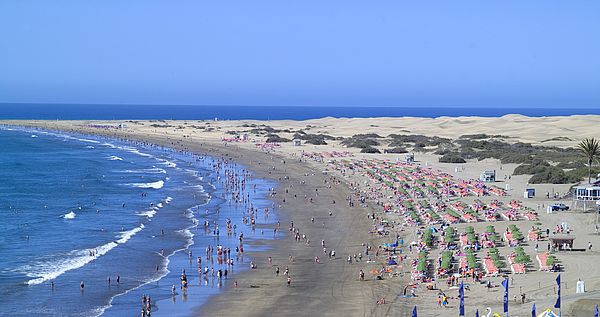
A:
{"x": 558, "y": 138}
{"x": 422, "y": 140}
{"x": 480, "y": 136}
{"x": 452, "y": 158}
{"x": 360, "y": 143}
{"x": 396, "y": 150}
{"x": 315, "y": 139}
{"x": 274, "y": 138}
{"x": 369, "y": 149}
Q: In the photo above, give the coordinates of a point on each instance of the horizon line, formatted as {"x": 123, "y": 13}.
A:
{"x": 273, "y": 106}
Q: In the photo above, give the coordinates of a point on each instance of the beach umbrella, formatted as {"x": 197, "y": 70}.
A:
{"x": 477, "y": 313}
{"x": 414, "y": 313}
{"x": 392, "y": 262}
{"x": 548, "y": 313}
{"x": 533, "y": 310}
{"x": 596, "y": 312}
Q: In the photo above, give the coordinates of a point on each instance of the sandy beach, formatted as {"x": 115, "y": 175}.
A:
{"x": 320, "y": 188}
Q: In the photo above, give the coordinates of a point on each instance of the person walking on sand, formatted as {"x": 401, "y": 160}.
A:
{"x": 289, "y": 281}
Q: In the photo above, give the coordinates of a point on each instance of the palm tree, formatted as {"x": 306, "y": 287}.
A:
{"x": 590, "y": 148}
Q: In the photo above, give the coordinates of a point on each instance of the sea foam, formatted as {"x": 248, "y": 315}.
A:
{"x": 44, "y": 271}
{"x": 155, "y": 185}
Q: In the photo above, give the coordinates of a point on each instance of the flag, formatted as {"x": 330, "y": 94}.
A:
{"x": 477, "y": 313}
{"x": 461, "y": 297}
{"x": 414, "y": 312}
{"x": 557, "y": 305}
{"x": 505, "y": 284}
{"x": 596, "y": 313}
{"x": 533, "y": 310}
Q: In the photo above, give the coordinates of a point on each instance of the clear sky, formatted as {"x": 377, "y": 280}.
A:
{"x": 255, "y": 52}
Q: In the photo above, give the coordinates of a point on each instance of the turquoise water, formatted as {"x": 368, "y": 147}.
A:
{"x": 85, "y": 209}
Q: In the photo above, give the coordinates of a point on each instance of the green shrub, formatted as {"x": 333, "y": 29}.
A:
{"x": 369, "y": 149}
{"x": 396, "y": 150}
{"x": 451, "y": 158}
{"x": 551, "y": 175}
{"x": 274, "y": 138}
{"x": 360, "y": 143}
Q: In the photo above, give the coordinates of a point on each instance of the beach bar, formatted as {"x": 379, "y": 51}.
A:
{"x": 585, "y": 197}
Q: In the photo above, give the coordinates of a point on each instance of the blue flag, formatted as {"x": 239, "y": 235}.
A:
{"x": 505, "y": 284}
{"x": 477, "y": 313}
{"x": 533, "y": 310}
{"x": 596, "y": 313}
{"x": 461, "y": 297}
{"x": 557, "y": 305}
{"x": 414, "y": 312}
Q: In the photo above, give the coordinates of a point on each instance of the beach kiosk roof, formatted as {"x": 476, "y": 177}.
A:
{"x": 559, "y": 241}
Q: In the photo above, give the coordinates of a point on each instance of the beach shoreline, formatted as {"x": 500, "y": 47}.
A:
{"x": 281, "y": 248}
{"x": 333, "y": 287}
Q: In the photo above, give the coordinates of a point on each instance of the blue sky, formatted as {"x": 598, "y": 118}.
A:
{"x": 374, "y": 53}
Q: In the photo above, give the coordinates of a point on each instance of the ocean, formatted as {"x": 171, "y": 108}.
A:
{"x": 85, "y": 209}
{"x": 177, "y": 112}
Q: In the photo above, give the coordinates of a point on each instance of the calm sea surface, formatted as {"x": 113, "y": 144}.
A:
{"x": 149, "y": 112}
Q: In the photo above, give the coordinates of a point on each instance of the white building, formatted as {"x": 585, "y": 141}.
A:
{"x": 586, "y": 196}
{"x": 488, "y": 176}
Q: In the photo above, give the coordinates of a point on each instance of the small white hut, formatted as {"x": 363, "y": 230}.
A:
{"x": 409, "y": 157}
{"x": 296, "y": 142}
{"x": 529, "y": 193}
